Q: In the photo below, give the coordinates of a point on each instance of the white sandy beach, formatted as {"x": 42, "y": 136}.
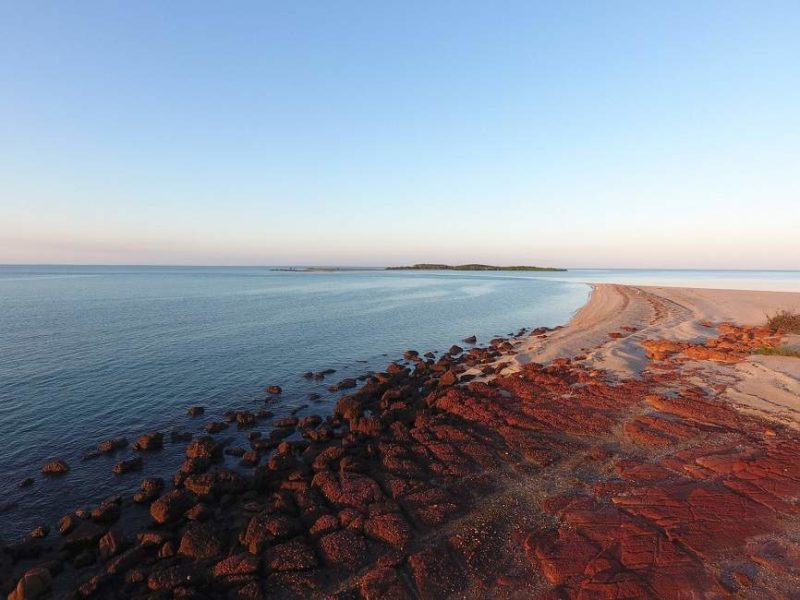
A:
{"x": 765, "y": 385}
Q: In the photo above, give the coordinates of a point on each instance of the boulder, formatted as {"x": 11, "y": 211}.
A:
{"x": 149, "y": 489}
{"x": 55, "y": 467}
{"x": 112, "y": 445}
{"x": 236, "y": 565}
{"x": 108, "y": 511}
{"x": 201, "y": 541}
{"x": 203, "y": 447}
{"x": 171, "y": 506}
{"x": 85, "y": 534}
{"x": 40, "y": 532}
{"x": 111, "y": 544}
{"x": 148, "y": 442}
{"x": 128, "y": 466}
{"x": 35, "y": 583}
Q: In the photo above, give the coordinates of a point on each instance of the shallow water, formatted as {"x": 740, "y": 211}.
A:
{"x": 776, "y": 281}
{"x": 88, "y": 353}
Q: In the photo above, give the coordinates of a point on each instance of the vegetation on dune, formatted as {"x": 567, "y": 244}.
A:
{"x": 469, "y": 267}
{"x": 777, "y": 351}
{"x": 784, "y": 321}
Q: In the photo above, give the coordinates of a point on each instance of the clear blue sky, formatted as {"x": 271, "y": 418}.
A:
{"x": 661, "y": 134}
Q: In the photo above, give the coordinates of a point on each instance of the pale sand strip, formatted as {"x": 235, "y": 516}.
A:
{"x": 767, "y": 386}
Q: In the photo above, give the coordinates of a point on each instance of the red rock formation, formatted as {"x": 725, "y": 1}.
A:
{"x": 556, "y": 481}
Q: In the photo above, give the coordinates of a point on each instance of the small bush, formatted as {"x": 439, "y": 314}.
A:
{"x": 784, "y": 321}
{"x": 779, "y": 351}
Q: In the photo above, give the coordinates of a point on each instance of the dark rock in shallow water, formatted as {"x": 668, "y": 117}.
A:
{"x": 85, "y": 534}
{"x": 454, "y": 349}
{"x": 127, "y": 466}
{"x": 107, "y": 512}
{"x": 287, "y": 422}
{"x": 245, "y": 419}
{"x": 203, "y": 447}
{"x": 274, "y": 389}
{"x": 66, "y": 524}
{"x": 27, "y": 482}
{"x": 149, "y": 489}
{"x": 195, "y": 411}
{"x": 55, "y": 467}
{"x": 215, "y": 427}
{"x": 470, "y": 340}
{"x": 152, "y": 440}
{"x": 112, "y": 445}
{"x": 40, "y": 532}
{"x": 111, "y": 544}
{"x": 178, "y": 435}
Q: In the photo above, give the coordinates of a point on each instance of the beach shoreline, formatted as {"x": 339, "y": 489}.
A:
{"x": 471, "y": 472}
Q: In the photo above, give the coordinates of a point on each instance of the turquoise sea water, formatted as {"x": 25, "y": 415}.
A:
{"x": 87, "y": 353}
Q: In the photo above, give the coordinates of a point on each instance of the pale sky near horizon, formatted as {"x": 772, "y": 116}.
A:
{"x": 576, "y": 134}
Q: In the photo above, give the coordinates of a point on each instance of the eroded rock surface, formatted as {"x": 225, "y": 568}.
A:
{"x": 556, "y": 481}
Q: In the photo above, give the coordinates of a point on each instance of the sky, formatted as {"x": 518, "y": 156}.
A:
{"x": 574, "y": 134}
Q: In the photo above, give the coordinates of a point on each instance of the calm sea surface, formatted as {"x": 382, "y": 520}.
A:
{"x": 92, "y": 352}
{"x": 88, "y": 353}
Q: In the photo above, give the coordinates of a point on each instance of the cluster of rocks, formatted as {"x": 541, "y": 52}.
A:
{"x": 555, "y": 481}
{"x": 307, "y": 489}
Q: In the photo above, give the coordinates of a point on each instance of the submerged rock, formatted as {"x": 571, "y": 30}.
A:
{"x": 127, "y": 466}
{"x": 112, "y": 445}
{"x": 148, "y": 442}
{"x": 55, "y": 467}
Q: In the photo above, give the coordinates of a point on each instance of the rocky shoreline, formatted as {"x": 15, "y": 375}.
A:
{"x": 458, "y": 476}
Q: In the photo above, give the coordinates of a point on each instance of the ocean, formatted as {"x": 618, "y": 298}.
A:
{"x": 89, "y": 353}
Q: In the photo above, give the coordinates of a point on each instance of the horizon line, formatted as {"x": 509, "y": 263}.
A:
{"x": 370, "y": 267}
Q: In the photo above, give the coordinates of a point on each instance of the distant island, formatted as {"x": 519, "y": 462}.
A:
{"x": 470, "y": 267}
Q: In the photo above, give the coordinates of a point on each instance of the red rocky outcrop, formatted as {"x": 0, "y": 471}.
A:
{"x": 555, "y": 481}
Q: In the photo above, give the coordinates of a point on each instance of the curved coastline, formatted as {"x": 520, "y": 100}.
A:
{"x": 427, "y": 471}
